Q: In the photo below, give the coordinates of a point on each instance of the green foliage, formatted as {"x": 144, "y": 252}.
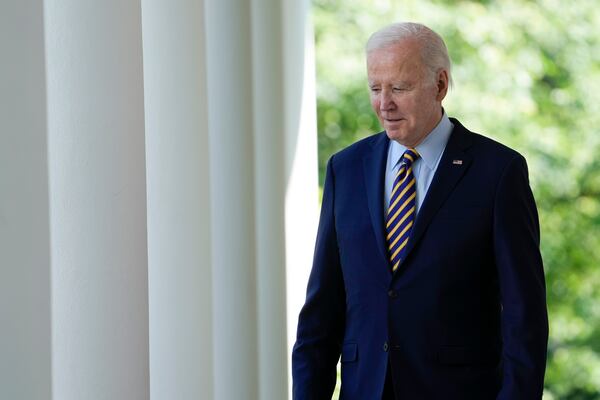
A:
{"x": 526, "y": 73}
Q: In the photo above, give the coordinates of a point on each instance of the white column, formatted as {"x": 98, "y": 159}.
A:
{"x": 216, "y": 212}
{"x": 25, "y": 347}
{"x": 97, "y": 200}
{"x": 301, "y": 164}
{"x": 230, "y": 127}
{"x": 260, "y": 81}
{"x": 177, "y": 156}
{"x": 269, "y": 155}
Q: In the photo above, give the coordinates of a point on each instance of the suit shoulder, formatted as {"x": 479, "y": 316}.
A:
{"x": 491, "y": 149}
{"x": 357, "y": 150}
{"x": 481, "y": 144}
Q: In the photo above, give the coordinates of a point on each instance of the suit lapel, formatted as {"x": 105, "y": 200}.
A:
{"x": 452, "y": 166}
{"x": 374, "y": 172}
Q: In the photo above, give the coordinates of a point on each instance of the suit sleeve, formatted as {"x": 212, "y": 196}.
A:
{"x": 522, "y": 285}
{"x": 321, "y": 321}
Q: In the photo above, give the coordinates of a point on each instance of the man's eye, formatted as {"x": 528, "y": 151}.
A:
{"x": 375, "y": 90}
{"x": 398, "y": 89}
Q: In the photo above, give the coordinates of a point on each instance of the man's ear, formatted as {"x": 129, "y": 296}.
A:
{"x": 441, "y": 84}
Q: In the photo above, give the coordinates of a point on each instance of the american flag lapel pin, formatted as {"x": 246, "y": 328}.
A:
{"x": 457, "y": 162}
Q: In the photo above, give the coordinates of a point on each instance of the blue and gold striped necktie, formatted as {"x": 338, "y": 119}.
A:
{"x": 402, "y": 209}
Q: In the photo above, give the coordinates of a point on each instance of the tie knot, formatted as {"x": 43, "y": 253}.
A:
{"x": 409, "y": 156}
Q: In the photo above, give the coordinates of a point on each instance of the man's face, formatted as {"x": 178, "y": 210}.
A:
{"x": 407, "y": 101}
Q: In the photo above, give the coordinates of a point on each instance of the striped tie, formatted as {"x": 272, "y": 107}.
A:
{"x": 401, "y": 212}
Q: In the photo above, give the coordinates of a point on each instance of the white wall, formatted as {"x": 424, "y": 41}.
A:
{"x": 268, "y": 102}
{"x": 231, "y": 143}
{"x": 25, "y": 354}
{"x": 179, "y": 262}
{"x": 97, "y": 199}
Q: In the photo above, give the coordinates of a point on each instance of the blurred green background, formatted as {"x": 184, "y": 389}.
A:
{"x": 526, "y": 73}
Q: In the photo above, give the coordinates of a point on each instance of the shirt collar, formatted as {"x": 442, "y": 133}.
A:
{"x": 429, "y": 149}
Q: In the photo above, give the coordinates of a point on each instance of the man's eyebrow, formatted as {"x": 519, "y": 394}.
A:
{"x": 398, "y": 83}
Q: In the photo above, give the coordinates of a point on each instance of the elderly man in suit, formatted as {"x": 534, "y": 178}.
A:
{"x": 427, "y": 278}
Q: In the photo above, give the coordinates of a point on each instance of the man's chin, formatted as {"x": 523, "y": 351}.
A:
{"x": 395, "y": 134}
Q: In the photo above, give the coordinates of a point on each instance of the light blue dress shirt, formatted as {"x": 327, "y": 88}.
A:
{"x": 430, "y": 149}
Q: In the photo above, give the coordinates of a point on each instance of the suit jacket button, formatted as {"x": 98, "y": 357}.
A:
{"x": 393, "y": 294}
{"x": 386, "y": 346}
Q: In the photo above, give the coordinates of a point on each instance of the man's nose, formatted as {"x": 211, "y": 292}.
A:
{"x": 386, "y": 103}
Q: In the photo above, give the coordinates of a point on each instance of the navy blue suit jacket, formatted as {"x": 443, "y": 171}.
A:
{"x": 463, "y": 317}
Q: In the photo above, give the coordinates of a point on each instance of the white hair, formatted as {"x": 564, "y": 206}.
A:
{"x": 433, "y": 49}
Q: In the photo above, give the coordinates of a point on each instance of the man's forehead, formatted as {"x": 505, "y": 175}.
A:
{"x": 394, "y": 56}
{"x": 393, "y": 62}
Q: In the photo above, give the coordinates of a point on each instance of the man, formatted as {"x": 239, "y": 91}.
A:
{"x": 427, "y": 277}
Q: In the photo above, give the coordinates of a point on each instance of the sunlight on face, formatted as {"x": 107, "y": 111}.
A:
{"x": 407, "y": 101}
